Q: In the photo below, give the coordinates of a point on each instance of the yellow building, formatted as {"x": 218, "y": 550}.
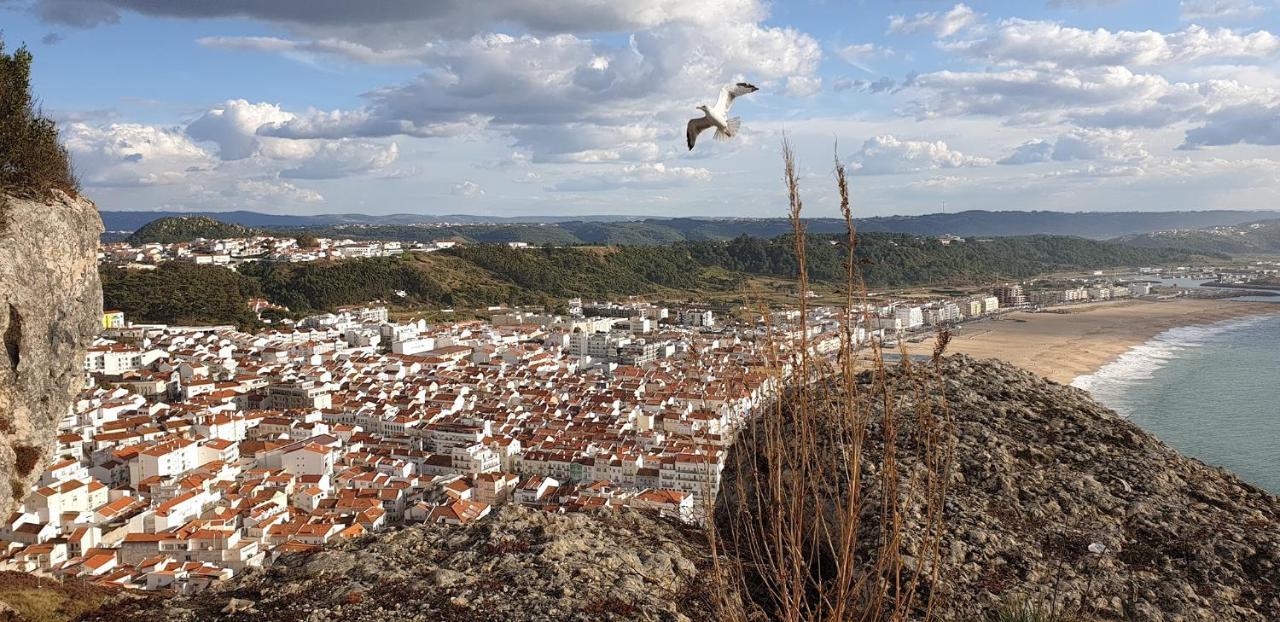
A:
{"x": 113, "y": 319}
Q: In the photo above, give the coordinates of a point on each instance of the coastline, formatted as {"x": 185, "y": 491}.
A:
{"x": 1079, "y": 340}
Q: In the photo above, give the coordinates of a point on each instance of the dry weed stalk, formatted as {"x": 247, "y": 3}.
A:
{"x": 819, "y": 521}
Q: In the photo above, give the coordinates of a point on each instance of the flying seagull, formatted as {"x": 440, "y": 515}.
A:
{"x": 718, "y": 116}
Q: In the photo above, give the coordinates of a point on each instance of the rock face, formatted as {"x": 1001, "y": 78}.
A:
{"x": 1057, "y": 501}
{"x": 517, "y": 564}
{"x": 50, "y": 309}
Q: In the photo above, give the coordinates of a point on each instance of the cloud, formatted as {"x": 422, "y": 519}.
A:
{"x": 943, "y": 25}
{"x": 1111, "y": 146}
{"x": 51, "y": 38}
{"x": 129, "y": 154}
{"x": 566, "y": 89}
{"x": 1256, "y": 123}
{"x": 270, "y": 191}
{"x": 1191, "y": 10}
{"x": 637, "y": 176}
{"x": 1023, "y": 42}
{"x": 860, "y": 55}
{"x": 410, "y": 19}
{"x": 467, "y": 190}
{"x": 342, "y": 158}
{"x": 1033, "y": 92}
{"x": 233, "y": 126}
{"x": 887, "y": 155}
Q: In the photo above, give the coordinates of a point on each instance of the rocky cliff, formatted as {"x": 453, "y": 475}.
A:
{"x": 50, "y": 309}
{"x": 1053, "y": 500}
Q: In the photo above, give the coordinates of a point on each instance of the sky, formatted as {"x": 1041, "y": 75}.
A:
{"x": 578, "y": 107}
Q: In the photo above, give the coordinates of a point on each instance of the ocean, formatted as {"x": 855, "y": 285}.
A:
{"x": 1211, "y": 391}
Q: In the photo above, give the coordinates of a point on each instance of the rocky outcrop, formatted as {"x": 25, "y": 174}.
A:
{"x": 1057, "y": 501}
{"x": 50, "y": 309}
{"x": 517, "y": 564}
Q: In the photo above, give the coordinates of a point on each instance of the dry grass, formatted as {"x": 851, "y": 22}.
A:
{"x": 810, "y": 527}
{"x": 44, "y": 600}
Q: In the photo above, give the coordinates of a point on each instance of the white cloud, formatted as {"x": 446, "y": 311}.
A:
{"x": 649, "y": 176}
{"x": 1219, "y": 10}
{"x": 270, "y": 191}
{"x": 886, "y": 155}
{"x": 1111, "y": 146}
{"x": 233, "y": 126}
{"x": 537, "y": 88}
{"x": 861, "y": 55}
{"x": 467, "y": 189}
{"x": 1023, "y": 42}
{"x": 341, "y": 158}
{"x": 129, "y": 154}
{"x": 943, "y": 25}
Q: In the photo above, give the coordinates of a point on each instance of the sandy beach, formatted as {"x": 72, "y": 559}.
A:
{"x": 1080, "y": 339}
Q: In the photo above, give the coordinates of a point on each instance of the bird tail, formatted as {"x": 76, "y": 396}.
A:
{"x": 730, "y": 128}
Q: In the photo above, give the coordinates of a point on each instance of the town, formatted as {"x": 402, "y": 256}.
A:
{"x": 196, "y": 452}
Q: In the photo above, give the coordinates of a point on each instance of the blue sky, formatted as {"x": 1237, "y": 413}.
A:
{"x": 562, "y": 107}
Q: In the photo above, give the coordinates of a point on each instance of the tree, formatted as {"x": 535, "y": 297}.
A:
{"x": 307, "y": 240}
{"x": 32, "y": 161}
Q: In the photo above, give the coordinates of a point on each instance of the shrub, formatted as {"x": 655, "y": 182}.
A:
{"x": 32, "y": 161}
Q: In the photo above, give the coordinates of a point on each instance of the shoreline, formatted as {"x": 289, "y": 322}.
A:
{"x": 1079, "y": 340}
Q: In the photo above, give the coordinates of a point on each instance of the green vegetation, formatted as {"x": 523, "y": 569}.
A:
{"x": 32, "y": 161}
{"x": 896, "y": 260}
{"x": 1260, "y": 238}
{"x": 180, "y": 293}
{"x": 186, "y": 228}
{"x": 479, "y": 275}
{"x": 656, "y": 231}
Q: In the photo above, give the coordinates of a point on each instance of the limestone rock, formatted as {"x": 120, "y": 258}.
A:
{"x": 50, "y": 309}
{"x": 518, "y": 564}
{"x": 1057, "y": 499}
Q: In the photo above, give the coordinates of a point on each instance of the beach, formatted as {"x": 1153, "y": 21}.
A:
{"x": 1082, "y": 338}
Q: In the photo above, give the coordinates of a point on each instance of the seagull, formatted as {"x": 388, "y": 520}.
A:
{"x": 718, "y": 116}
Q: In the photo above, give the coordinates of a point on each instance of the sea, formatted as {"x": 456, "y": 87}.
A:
{"x": 1212, "y": 391}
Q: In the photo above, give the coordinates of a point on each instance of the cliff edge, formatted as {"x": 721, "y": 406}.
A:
{"x": 50, "y": 310}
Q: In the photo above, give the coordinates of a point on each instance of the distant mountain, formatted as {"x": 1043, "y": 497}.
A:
{"x": 131, "y": 221}
{"x": 604, "y": 229}
{"x": 1261, "y": 237}
{"x": 186, "y": 228}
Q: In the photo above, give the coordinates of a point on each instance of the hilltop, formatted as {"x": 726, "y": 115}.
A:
{"x": 480, "y": 275}
{"x": 1262, "y": 237}
{"x": 652, "y": 230}
{"x": 186, "y": 228}
{"x": 1052, "y": 499}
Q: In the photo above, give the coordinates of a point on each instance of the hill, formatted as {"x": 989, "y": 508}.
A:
{"x": 479, "y": 275}
{"x": 187, "y": 228}
{"x": 1262, "y": 237}
{"x": 631, "y": 230}
{"x": 1052, "y": 499}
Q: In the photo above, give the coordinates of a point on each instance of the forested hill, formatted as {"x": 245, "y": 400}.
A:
{"x": 1261, "y": 238}
{"x": 187, "y": 228}
{"x": 622, "y": 230}
{"x": 477, "y": 275}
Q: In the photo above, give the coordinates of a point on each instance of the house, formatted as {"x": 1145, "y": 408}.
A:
{"x": 459, "y": 512}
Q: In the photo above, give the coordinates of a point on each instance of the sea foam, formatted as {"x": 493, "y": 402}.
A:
{"x": 1139, "y": 364}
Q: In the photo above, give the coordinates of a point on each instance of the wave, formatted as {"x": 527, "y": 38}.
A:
{"x": 1140, "y": 363}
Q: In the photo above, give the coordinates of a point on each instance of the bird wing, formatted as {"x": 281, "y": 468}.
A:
{"x": 732, "y": 92}
{"x": 696, "y": 125}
